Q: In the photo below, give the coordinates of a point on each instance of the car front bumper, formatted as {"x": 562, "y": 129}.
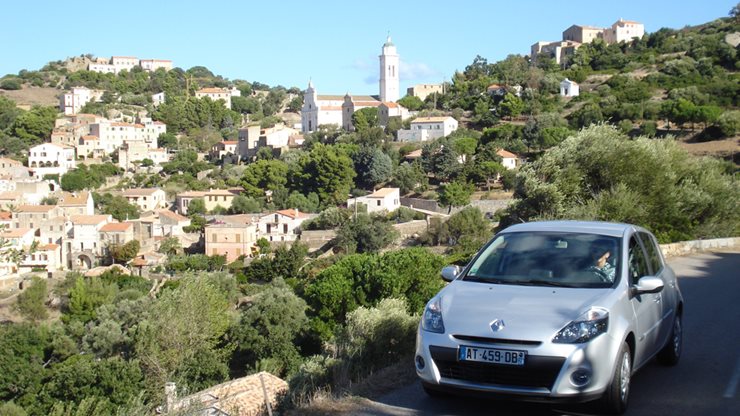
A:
{"x": 547, "y": 373}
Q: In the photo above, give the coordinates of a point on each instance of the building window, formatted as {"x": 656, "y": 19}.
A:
{"x": 213, "y": 238}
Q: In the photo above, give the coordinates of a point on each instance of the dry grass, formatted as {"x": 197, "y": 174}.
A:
{"x": 361, "y": 395}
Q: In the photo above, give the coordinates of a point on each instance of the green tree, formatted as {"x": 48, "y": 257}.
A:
{"x": 197, "y": 207}
{"x": 264, "y": 175}
{"x": 373, "y": 167}
{"x": 511, "y": 106}
{"x": 243, "y": 205}
{"x": 116, "y": 206}
{"x": 365, "y": 234}
{"x": 325, "y": 170}
{"x": 411, "y": 102}
{"x": 170, "y": 245}
{"x": 34, "y": 126}
{"x": 185, "y": 327}
{"x": 410, "y": 177}
{"x": 31, "y": 301}
{"x": 729, "y": 123}
{"x": 365, "y": 118}
{"x": 85, "y": 296}
{"x": 456, "y": 194}
{"x": 269, "y": 328}
{"x": 26, "y": 348}
{"x": 124, "y": 253}
{"x": 465, "y": 231}
{"x": 600, "y": 174}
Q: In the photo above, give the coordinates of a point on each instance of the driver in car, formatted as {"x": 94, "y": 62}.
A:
{"x": 601, "y": 265}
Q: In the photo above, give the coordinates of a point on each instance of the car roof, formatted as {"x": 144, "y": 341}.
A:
{"x": 588, "y": 227}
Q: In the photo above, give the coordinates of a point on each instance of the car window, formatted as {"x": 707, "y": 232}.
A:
{"x": 638, "y": 266}
{"x": 653, "y": 254}
{"x": 549, "y": 259}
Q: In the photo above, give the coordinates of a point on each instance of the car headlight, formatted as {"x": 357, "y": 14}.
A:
{"x": 590, "y": 325}
{"x": 432, "y": 319}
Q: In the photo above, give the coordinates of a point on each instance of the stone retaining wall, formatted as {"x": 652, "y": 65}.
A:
{"x": 683, "y": 248}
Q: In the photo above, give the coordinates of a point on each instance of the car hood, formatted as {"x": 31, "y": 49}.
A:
{"x": 530, "y": 313}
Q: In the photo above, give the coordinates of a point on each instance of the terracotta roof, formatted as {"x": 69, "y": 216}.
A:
{"x": 367, "y": 103}
{"x": 429, "y": 119}
{"x": 213, "y": 91}
{"x": 118, "y": 124}
{"x": 243, "y": 396}
{"x": 90, "y": 137}
{"x": 391, "y": 105}
{"x": 6, "y": 215}
{"x": 15, "y": 232}
{"x": 69, "y": 199}
{"x": 414, "y": 155}
{"x": 192, "y": 194}
{"x": 35, "y": 208}
{"x": 139, "y": 262}
{"x": 10, "y": 195}
{"x": 139, "y": 191}
{"x": 292, "y": 213}
{"x": 116, "y": 227}
{"x": 10, "y": 161}
{"x": 330, "y": 97}
{"x": 88, "y": 219}
{"x": 229, "y": 142}
{"x": 508, "y": 155}
{"x": 227, "y": 192}
{"x": 159, "y": 123}
{"x": 383, "y": 192}
{"x": 48, "y": 247}
{"x": 172, "y": 215}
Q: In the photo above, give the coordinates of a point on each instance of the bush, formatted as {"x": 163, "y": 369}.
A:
{"x": 10, "y": 84}
{"x": 600, "y": 174}
{"x": 729, "y": 123}
{"x": 649, "y": 129}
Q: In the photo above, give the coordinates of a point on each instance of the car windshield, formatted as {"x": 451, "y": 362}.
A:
{"x": 548, "y": 259}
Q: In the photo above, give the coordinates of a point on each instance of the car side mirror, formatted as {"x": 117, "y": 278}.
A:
{"x": 648, "y": 284}
{"x": 449, "y": 273}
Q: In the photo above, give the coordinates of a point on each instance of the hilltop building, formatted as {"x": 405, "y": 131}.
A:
{"x": 321, "y": 110}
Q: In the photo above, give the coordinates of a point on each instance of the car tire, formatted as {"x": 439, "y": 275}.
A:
{"x": 432, "y": 392}
{"x": 616, "y": 396}
{"x": 671, "y": 353}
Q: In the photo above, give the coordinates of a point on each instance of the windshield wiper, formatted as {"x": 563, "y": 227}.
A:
{"x": 472, "y": 278}
{"x": 535, "y": 282}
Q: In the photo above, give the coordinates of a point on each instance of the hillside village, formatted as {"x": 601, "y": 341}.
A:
{"x": 146, "y": 171}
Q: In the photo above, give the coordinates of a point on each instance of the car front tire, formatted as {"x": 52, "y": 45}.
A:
{"x": 616, "y": 396}
{"x": 671, "y": 353}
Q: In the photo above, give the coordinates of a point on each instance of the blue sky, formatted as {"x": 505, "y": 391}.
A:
{"x": 335, "y": 43}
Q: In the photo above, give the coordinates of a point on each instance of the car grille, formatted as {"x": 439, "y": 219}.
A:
{"x": 487, "y": 340}
{"x": 537, "y": 371}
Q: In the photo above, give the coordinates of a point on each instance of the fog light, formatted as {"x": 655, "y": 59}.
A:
{"x": 420, "y": 364}
{"x": 580, "y": 377}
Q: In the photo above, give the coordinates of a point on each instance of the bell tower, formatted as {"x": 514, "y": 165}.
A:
{"x": 389, "y": 78}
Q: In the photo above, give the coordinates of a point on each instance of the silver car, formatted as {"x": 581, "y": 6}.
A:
{"x": 552, "y": 311}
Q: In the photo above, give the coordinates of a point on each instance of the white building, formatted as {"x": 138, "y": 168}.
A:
{"x": 321, "y": 110}
{"x": 508, "y": 160}
{"x": 352, "y": 104}
{"x": 384, "y": 199}
{"x": 216, "y": 94}
{"x": 389, "y": 72}
{"x": 569, "y": 88}
{"x": 158, "y": 99}
{"x": 624, "y": 31}
{"x": 84, "y": 248}
{"x": 422, "y": 91}
{"x": 147, "y": 199}
{"x": 281, "y": 225}
{"x": 428, "y": 128}
{"x": 386, "y": 110}
{"x": 152, "y": 65}
{"x": 72, "y": 102}
{"x": 14, "y": 239}
{"x": 51, "y": 159}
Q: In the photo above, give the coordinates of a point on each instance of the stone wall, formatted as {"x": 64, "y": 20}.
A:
{"x": 317, "y": 238}
{"x": 408, "y": 229}
{"x": 683, "y": 248}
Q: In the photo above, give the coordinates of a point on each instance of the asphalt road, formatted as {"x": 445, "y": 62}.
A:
{"x": 705, "y": 382}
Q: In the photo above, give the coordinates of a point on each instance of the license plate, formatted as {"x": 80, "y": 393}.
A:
{"x": 491, "y": 355}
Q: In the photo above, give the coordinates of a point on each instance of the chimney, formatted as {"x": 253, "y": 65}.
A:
{"x": 170, "y": 392}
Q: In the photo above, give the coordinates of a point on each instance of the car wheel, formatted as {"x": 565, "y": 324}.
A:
{"x": 671, "y": 353}
{"x": 617, "y": 394}
{"x": 432, "y": 392}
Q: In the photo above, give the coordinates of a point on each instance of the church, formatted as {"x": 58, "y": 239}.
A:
{"x": 338, "y": 109}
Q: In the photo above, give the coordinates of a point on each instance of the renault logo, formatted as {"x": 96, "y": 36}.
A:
{"x": 497, "y": 325}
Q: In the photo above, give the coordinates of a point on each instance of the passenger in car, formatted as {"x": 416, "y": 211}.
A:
{"x": 601, "y": 266}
